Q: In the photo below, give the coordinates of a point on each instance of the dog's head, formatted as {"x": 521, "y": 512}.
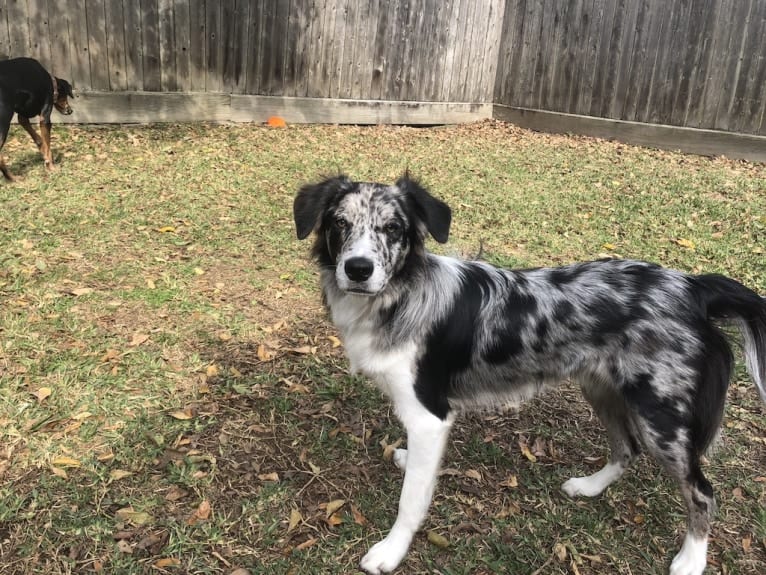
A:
{"x": 366, "y": 232}
{"x": 64, "y": 92}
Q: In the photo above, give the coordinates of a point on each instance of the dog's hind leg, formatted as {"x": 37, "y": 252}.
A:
{"x": 26, "y": 124}
{"x": 5, "y": 124}
{"x": 426, "y": 440}
{"x": 624, "y": 444}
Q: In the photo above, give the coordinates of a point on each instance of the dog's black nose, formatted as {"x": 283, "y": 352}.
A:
{"x": 358, "y": 269}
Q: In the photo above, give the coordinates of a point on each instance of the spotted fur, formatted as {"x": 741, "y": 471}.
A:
{"x": 439, "y": 335}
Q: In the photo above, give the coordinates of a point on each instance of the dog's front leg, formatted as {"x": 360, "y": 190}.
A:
{"x": 426, "y": 439}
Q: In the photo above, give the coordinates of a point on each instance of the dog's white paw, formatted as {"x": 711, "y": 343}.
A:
{"x": 581, "y": 487}
{"x": 691, "y": 559}
{"x": 593, "y": 485}
{"x": 384, "y": 556}
{"x": 400, "y": 458}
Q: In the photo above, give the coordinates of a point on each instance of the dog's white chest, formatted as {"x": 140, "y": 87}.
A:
{"x": 386, "y": 366}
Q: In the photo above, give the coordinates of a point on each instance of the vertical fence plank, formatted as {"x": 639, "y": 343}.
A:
{"x": 80, "y": 52}
{"x": 168, "y": 76}
{"x": 213, "y": 51}
{"x": 39, "y": 38}
{"x": 151, "y": 45}
{"x": 5, "y": 35}
{"x": 61, "y": 59}
{"x": 739, "y": 62}
{"x": 181, "y": 43}
{"x": 695, "y": 32}
{"x": 99, "y": 61}
{"x": 134, "y": 70}
{"x": 581, "y": 64}
{"x": 701, "y": 65}
{"x": 753, "y": 99}
{"x": 234, "y": 29}
{"x": 115, "y": 45}
{"x": 197, "y": 44}
{"x": 254, "y": 48}
{"x": 18, "y": 27}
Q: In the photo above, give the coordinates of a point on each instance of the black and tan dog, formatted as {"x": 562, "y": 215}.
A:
{"x": 29, "y": 90}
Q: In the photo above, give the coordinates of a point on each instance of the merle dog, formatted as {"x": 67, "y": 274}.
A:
{"x": 27, "y": 89}
{"x": 439, "y": 335}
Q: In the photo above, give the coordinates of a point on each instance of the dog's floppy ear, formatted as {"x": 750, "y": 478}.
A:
{"x": 435, "y": 213}
{"x": 312, "y": 200}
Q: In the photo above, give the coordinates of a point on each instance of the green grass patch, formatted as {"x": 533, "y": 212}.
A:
{"x": 172, "y": 398}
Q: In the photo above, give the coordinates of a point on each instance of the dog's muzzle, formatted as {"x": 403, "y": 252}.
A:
{"x": 65, "y": 110}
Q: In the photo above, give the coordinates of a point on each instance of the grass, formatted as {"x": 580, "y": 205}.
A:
{"x": 172, "y": 398}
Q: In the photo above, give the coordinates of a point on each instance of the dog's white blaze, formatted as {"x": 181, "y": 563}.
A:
{"x": 692, "y": 558}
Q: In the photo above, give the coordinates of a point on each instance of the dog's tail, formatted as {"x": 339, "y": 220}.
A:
{"x": 727, "y": 299}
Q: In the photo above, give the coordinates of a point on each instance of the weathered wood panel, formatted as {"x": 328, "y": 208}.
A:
{"x": 696, "y": 63}
{"x": 419, "y": 50}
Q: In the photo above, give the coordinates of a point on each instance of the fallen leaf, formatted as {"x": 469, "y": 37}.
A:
{"x": 42, "y": 394}
{"x": 110, "y": 355}
{"x": 439, "y": 540}
{"x": 166, "y": 229}
{"x": 295, "y": 519}
{"x": 334, "y": 341}
{"x": 264, "y": 353}
{"x": 167, "y": 562}
{"x": 273, "y": 476}
{"x": 138, "y": 339}
{"x": 525, "y": 450}
{"x": 58, "y": 472}
{"x": 560, "y": 550}
{"x": 359, "y": 519}
{"x": 306, "y": 544}
{"x": 334, "y": 520}
{"x": 512, "y": 482}
{"x": 65, "y": 461}
{"x": 182, "y": 414}
{"x": 124, "y": 547}
{"x": 304, "y": 350}
{"x": 80, "y": 291}
{"x": 175, "y": 493}
{"x": 117, "y": 474}
{"x": 82, "y": 415}
{"x": 390, "y": 449}
{"x": 685, "y": 243}
{"x": 211, "y": 370}
{"x": 333, "y": 506}
{"x": 130, "y": 515}
{"x": 473, "y": 474}
{"x": 202, "y": 513}
{"x": 746, "y": 544}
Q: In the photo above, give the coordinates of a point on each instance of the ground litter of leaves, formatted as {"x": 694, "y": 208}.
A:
{"x": 173, "y": 398}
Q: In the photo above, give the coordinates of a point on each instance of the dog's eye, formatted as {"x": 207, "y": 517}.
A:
{"x": 341, "y": 223}
{"x": 392, "y": 228}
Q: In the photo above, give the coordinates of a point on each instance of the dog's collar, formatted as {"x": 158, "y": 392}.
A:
{"x": 55, "y": 88}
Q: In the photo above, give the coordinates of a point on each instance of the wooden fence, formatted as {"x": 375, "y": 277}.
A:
{"x": 615, "y": 68}
{"x": 691, "y": 63}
